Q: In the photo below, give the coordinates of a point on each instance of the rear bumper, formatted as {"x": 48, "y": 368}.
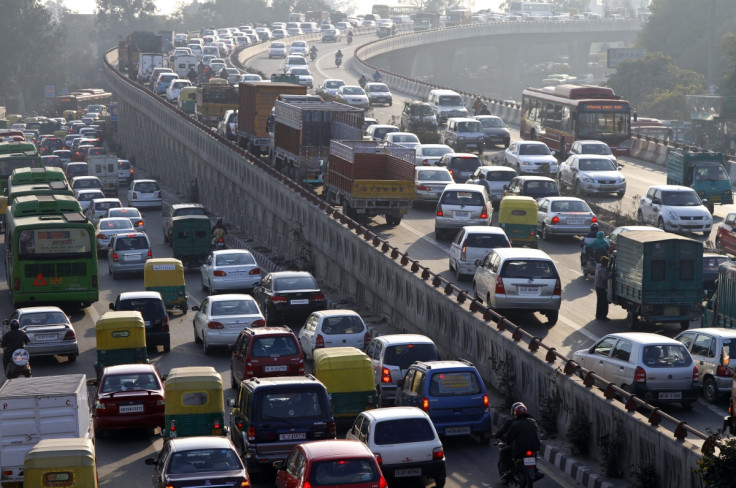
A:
{"x": 432, "y": 469}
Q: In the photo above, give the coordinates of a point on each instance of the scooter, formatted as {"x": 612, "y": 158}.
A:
{"x": 19, "y": 366}
{"x": 218, "y": 243}
{"x": 524, "y": 472}
{"x": 338, "y": 62}
{"x": 312, "y": 55}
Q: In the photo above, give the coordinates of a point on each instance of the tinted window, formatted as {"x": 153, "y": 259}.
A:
{"x": 274, "y": 346}
{"x": 344, "y": 472}
{"x": 148, "y": 307}
{"x": 342, "y": 325}
{"x": 131, "y": 243}
{"x": 531, "y": 269}
{"x": 464, "y": 164}
{"x": 234, "y": 259}
{"x": 458, "y": 197}
{"x": 295, "y": 283}
{"x": 404, "y": 355}
{"x": 204, "y": 460}
{"x": 500, "y": 175}
{"x": 403, "y": 430}
{"x": 277, "y": 405}
{"x": 533, "y": 150}
{"x": 487, "y": 241}
{"x": 454, "y": 383}
{"x": 434, "y": 176}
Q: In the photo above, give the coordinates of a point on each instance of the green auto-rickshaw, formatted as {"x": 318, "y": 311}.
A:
{"x": 191, "y": 238}
{"x": 517, "y": 216}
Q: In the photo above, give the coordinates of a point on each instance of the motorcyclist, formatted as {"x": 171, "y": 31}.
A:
{"x": 477, "y": 104}
{"x": 313, "y": 53}
{"x": 362, "y": 81}
{"x": 338, "y": 57}
{"x": 587, "y": 239}
{"x": 350, "y": 37}
{"x": 599, "y": 247}
{"x": 377, "y": 75}
{"x": 12, "y": 340}
{"x": 521, "y": 435}
{"x": 219, "y": 230}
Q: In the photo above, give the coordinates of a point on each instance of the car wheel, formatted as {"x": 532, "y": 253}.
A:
{"x": 99, "y": 434}
{"x": 71, "y": 358}
{"x": 458, "y": 274}
{"x": 552, "y": 317}
{"x": 197, "y": 340}
{"x": 167, "y": 347}
{"x": 684, "y": 324}
{"x": 660, "y": 223}
{"x": 640, "y": 217}
{"x": 439, "y": 482}
{"x": 560, "y": 181}
{"x": 484, "y": 439}
{"x": 545, "y": 233}
{"x": 113, "y": 275}
{"x": 578, "y": 188}
{"x": 205, "y": 347}
{"x": 710, "y": 390}
{"x": 632, "y": 318}
{"x": 517, "y": 167}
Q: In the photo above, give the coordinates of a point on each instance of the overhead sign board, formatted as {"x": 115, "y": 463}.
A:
{"x": 618, "y": 54}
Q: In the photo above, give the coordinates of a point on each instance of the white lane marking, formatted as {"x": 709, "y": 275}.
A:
{"x": 425, "y": 237}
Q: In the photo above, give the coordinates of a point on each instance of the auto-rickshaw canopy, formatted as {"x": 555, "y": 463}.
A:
{"x": 343, "y": 369}
{"x": 163, "y": 272}
{"x": 120, "y": 330}
{"x": 517, "y": 216}
{"x": 60, "y": 462}
{"x": 194, "y": 389}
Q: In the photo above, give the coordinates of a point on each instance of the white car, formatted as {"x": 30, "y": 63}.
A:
{"x": 330, "y": 86}
{"x": 85, "y": 197}
{"x": 175, "y": 86}
{"x": 590, "y": 146}
{"x": 530, "y": 157}
{"x": 250, "y": 77}
{"x": 277, "y": 50}
{"x": 230, "y": 269}
{"x": 471, "y": 245}
{"x": 294, "y": 61}
{"x": 353, "y": 95}
{"x": 219, "y": 319}
{"x": 106, "y": 228}
{"x": 333, "y": 328}
{"x": 429, "y": 154}
{"x": 299, "y": 47}
{"x": 405, "y": 139}
{"x": 132, "y": 213}
{"x": 590, "y": 173}
{"x": 305, "y": 77}
{"x": 144, "y": 193}
{"x": 674, "y": 208}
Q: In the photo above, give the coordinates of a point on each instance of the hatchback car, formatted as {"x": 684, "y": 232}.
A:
{"x": 85, "y": 198}
{"x": 391, "y": 355}
{"x": 151, "y": 306}
{"x": 592, "y": 174}
{"x": 132, "y": 213}
{"x": 128, "y": 253}
{"x": 464, "y": 134}
{"x": 352, "y": 95}
{"x": 97, "y": 209}
{"x": 107, "y": 228}
{"x": 125, "y": 171}
{"x": 714, "y": 350}
{"x": 49, "y": 330}
{"x": 471, "y": 244}
{"x": 231, "y": 270}
{"x": 674, "y": 208}
{"x": 653, "y": 367}
{"x": 563, "y": 216}
{"x": 460, "y": 165}
{"x": 519, "y": 279}
{"x": 461, "y": 205}
{"x": 452, "y": 393}
{"x": 530, "y": 157}
{"x": 417, "y": 116}
{"x": 379, "y": 93}
{"x": 405, "y": 440}
{"x": 219, "y": 319}
{"x": 330, "y": 463}
{"x": 430, "y": 182}
{"x": 497, "y": 177}
{"x": 86, "y": 183}
{"x": 263, "y": 352}
{"x": 293, "y": 61}
{"x": 377, "y": 132}
{"x": 429, "y": 154}
{"x": 532, "y": 186}
{"x": 128, "y": 396}
{"x": 144, "y": 193}
{"x": 495, "y": 130}
{"x": 198, "y": 461}
{"x": 333, "y": 328}
{"x": 277, "y": 50}
{"x": 288, "y": 296}
{"x": 404, "y": 139}
{"x": 51, "y": 161}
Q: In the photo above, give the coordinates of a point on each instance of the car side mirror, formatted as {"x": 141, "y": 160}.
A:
{"x": 655, "y": 200}
{"x": 195, "y": 308}
{"x": 112, "y": 306}
{"x": 279, "y": 465}
{"x": 231, "y": 402}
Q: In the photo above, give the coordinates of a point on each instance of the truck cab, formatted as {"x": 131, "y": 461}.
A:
{"x": 704, "y": 173}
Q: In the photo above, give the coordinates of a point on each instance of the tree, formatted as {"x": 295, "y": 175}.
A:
{"x": 718, "y": 470}
{"x": 117, "y": 18}
{"x": 728, "y": 85}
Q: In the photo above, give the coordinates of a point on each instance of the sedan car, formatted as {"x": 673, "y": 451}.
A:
{"x": 305, "y": 77}
{"x": 331, "y": 35}
{"x": 85, "y": 197}
{"x": 128, "y": 396}
{"x": 563, "y": 216}
{"x": 288, "y": 295}
{"x": 592, "y": 174}
{"x": 430, "y": 182}
{"x": 405, "y": 139}
{"x": 353, "y": 95}
{"x": 106, "y": 228}
{"x": 592, "y": 147}
{"x": 49, "y": 329}
{"x": 379, "y": 93}
{"x": 495, "y": 130}
{"x": 198, "y": 461}
{"x": 132, "y": 213}
{"x": 144, "y": 193}
{"x": 231, "y": 269}
{"x": 429, "y": 154}
{"x": 277, "y": 50}
{"x": 299, "y": 47}
{"x": 333, "y": 328}
{"x": 530, "y": 157}
{"x": 330, "y": 87}
{"x": 219, "y": 319}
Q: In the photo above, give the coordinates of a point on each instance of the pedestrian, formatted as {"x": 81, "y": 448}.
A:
{"x": 602, "y": 274}
{"x": 482, "y": 180}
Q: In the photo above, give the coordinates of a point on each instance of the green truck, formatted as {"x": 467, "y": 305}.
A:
{"x": 658, "y": 277}
{"x": 720, "y": 311}
{"x": 703, "y": 172}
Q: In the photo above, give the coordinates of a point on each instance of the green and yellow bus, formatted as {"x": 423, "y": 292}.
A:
{"x": 50, "y": 188}
{"x": 16, "y": 154}
{"x": 30, "y": 205}
{"x": 51, "y": 259}
{"x": 28, "y": 176}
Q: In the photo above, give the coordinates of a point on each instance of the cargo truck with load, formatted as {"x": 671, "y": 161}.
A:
{"x": 130, "y": 49}
{"x": 36, "y": 408}
{"x": 703, "y": 172}
{"x": 302, "y": 132}
{"x": 720, "y": 310}
{"x": 657, "y": 276}
{"x": 369, "y": 178}
{"x": 213, "y": 99}
{"x": 256, "y": 100}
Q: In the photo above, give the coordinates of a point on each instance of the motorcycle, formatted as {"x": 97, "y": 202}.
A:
{"x": 218, "y": 243}
{"x": 525, "y": 472}
{"x": 338, "y": 61}
{"x": 362, "y": 82}
{"x": 312, "y": 55}
{"x": 350, "y": 39}
{"x": 19, "y": 366}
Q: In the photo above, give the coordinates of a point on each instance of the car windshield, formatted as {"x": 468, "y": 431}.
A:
{"x": 458, "y": 197}
{"x": 277, "y": 405}
{"x": 43, "y": 318}
{"x": 234, "y": 307}
{"x": 342, "y": 325}
{"x": 528, "y": 269}
{"x": 569, "y": 206}
{"x": 435, "y": 151}
{"x": 666, "y": 356}
{"x": 344, "y": 472}
{"x": 491, "y": 122}
{"x": 295, "y": 283}
{"x": 234, "y": 259}
{"x": 421, "y": 110}
{"x": 129, "y": 382}
{"x": 534, "y": 150}
{"x": 204, "y": 460}
{"x": 487, "y": 241}
{"x": 434, "y": 175}
{"x": 453, "y": 383}
{"x": 400, "y": 431}
{"x": 378, "y": 88}
{"x": 602, "y": 149}
{"x": 596, "y": 165}
{"x": 148, "y": 307}
{"x": 450, "y": 101}
{"x": 711, "y": 173}
{"x": 264, "y": 347}
{"x": 333, "y": 84}
{"x": 680, "y": 198}
{"x": 353, "y": 90}
{"x": 469, "y": 127}
{"x": 277, "y": 45}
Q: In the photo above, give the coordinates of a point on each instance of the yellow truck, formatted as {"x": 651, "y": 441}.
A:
{"x": 213, "y": 99}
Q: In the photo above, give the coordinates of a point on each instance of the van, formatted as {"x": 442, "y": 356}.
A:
{"x": 309, "y": 27}
{"x": 446, "y": 104}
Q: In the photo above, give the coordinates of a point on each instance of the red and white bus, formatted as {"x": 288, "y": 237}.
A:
{"x": 559, "y": 115}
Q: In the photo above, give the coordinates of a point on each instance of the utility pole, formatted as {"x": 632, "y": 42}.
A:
{"x": 711, "y": 49}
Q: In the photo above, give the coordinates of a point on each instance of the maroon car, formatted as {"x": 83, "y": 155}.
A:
{"x": 726, "y": 234}
{"x": 265, "y": 351}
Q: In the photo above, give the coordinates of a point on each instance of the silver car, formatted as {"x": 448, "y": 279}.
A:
{"x": 219, "y": 319}
{"x": 128, "y": 253}
{"x": 592, "y": 173}
{"x": 132, "y": 213}
{"x": 472, "y": 243}
{"x": 49, "y": 329}
{"x": 519, "y": 279}
{"x": 333, "y": 328}
{"x": 497, "y": 178}
{"x": 563, "y": 216}
{"x": 231, "y": 269}
{"x": 461, "y": 205}
{"x": 430, "y": 182}
{"x": 714, "y": 350}
{"x": 106, "y": 228}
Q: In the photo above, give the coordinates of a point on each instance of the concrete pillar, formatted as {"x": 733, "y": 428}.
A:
{"x": 579, "y": 50}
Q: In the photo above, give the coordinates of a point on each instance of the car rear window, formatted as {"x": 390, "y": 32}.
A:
{"x": 400, "y": 431}
{"x": 404, "y": 355}
{"x": 305, "y": 404}
{"x": 569, "y": 206}
{"x": 464, "y": 164}
{"x": 234, "y": 307}
{"x": 460, "y": 197}
{"x": 131, "y": 243}
{"x": 487, "y": 241}
{"x": 530, "y": 269}
{"x": 148, "y": 307}
{"x": 666, "y": 356}
{"x": 295, "y": 283}
{"x": 146, "y": 187}
{"x": 454, "y": 383}
{"x": 342, "y": 325}
{"x": 340, "y": 472}
{"x": 544, "y": 188}
{"x": 264, "y": 347}
{"x": 234, "y": 259}
{"x": 43, "y": 318}
{"x": 500, "y": 175}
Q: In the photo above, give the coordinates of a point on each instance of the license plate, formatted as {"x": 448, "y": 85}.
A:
{"x": 237, "y": 274}
{"x": 529, "y": 290}
{"x": 272, "y": 369}
{"x": 457, "y": 430}
{"x": 674, "y": 395}
{"x": 462, "y": 215}
{"x": 45, "y": 337}
{"x": 608, "y": 187}
{"x": 575, "y": 221}
{"x": 293, "y": 436}
{"x": 404, "y": 473}
{"x": 530, "y": 461}
{"x": 130, "y": 408}
{"x": 672, "y": 311}
{"x": 133, "y": 257}
{"x": 304, "y": 301}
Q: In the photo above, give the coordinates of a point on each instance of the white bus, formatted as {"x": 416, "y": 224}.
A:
{"x": 530, "y": 9}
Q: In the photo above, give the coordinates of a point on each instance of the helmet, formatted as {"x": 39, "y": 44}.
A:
{"x": 594, "y": 227}
{"x": 513, "y": 407}
{"x": 519, "y": 411}
{"x": 14, "y": 324}
{"x": 219, "y": 220}
{"x": 481, "y": 176}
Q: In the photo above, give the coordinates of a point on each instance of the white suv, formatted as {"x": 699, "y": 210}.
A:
{"x": 674, "y": 208}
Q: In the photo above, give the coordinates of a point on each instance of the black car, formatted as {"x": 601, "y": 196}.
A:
{"x": 152, "y": 308}
{"x": 460, "y": 165}
{"x": 417, "y": 116}
{"x": 288, "y": 296}
{"x": 198, "y": 461}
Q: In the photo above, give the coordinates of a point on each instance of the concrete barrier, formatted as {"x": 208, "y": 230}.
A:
{"x": 660, "y": 154}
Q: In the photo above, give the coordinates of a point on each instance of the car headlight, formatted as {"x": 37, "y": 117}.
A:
{"x": 587, "y": 179}
{"x": 461, "y": 138}
{"x": 673, "y": 215}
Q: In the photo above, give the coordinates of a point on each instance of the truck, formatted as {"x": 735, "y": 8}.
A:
{"x": 297, "y": 17}
{"x": 167, "y": 40}
{"x": 254, "y": 108}
{"x": 657, "y": 276}
{"x": 302, "y": 131}
{"x": 319, "y": 16}
{"x": 40, "y": 407}
{"x": 720, "y": 309}
{"x": 130, "y": 49}
{"x": 213, "y": 99}
{"x": 146, "y": 64}
{"x": 369, "y": 178}
{"x": 703, "y": 172}
{"x": 105, "y": 167}
{"x": 183, "y": 63}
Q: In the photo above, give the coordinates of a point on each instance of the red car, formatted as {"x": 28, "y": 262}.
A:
{"x": 726, "y": 234}
{"x": 330, "y": 464}
{"x": 265, "y": 351}
{"x": 128, "y": 396}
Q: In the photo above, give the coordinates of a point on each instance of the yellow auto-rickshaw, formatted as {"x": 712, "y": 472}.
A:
{"x": 70, "y": 114}
{"x": 188, "y": 99}
{"x": 347, "y": 373}
{"x": 3, "y": 209}
{"x": 517, "y": 216}
{"x": 195, "y": 402}
{"x": 61, "y": 462}
{"x": 121, "y": 339}
{"x": 166, "y": 276}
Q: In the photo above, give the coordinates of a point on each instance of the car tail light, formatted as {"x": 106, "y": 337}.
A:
{"x": 332, "y": 429}
{"x": 555, "y": 220}
{"x": 251, "y": 433}
{"x": 558, "y": 288}
{"x": 165, "y": 323}
{"x": 101, "y": 236}
{"x": 150, "y": 254}
{"x": 452, "y": 173}
{"x": 249, "y": 371}
{"x": 70, "y": 335}
{"x": 300, "y": 367}
{"x": 172, "y": 428}
{"x": 219, "y": 273}
{"x": 485, "y": 400}
{"x": 382, "y": 483}
{"x": 139, "y": 223}
{"x": 115, "y": 257}
{"x": 379, "y": 458}
{"x": 157, "y": 194}
{"x": 318, "y": 297}
{"x": 500, "y": 289}
{"x": 278, "y": 299}
{"x": 438, "y": 453}
{"x": 214, "y": 325}
{"x": 724, "y": 371}
{"x": 255, "y": 271}
{"x": 217, "y": 425}
{"x": 319, "y": 342}
{"x": 640, "y": 376}
{"x": 529, "y": 454}
{"x": 594, "y": 219}
{"x": 367, "y": 337}
{"x": 425, "y": 404}
{"x": 307, "y": 484}
{"x": 135, "y": 195}
{"x": 462, "y": 253}
{"x": 484, "y": 212}
{"x": 258, "y": 323}
{"x": 385, "y": 375}
{"x": 425, "y": 162}
{"x": 439, "y": 212}
{"x": 696, "y": 374}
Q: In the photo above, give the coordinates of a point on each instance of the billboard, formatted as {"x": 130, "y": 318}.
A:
{"x": 618, "y": 54}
